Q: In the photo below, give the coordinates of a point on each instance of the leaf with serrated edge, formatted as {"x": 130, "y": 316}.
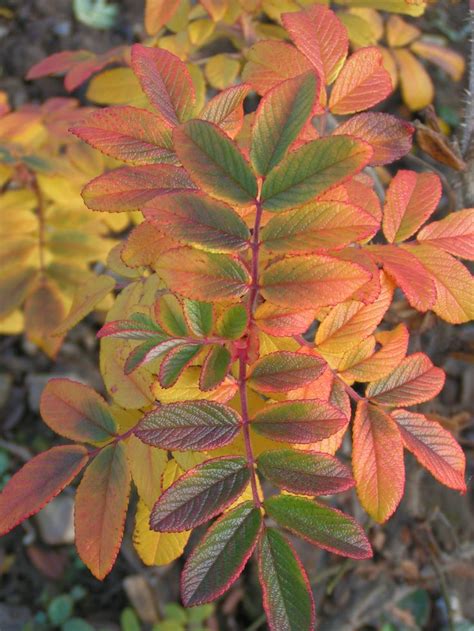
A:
{"x": 312, "y": 169}
{"x": 318, "y": 225}
{"x": 221, "y": 555}
{"x": 215, "y": 367}
{"x": 175, "y": 362}
{"x": 280, "y": 116}
{"x": 414, "y": 381}
{"x": 233, "y": 322}
{"x": 300, "y": 421}
{"x": 203, "y": 275}
{"x": 454, "y": 234}
{"x": 284, "y": 370}
{"x": 200, "y": 494}
{"x": 283, "y": 321}
{"x": 166, "y": 81}
{"x": 434, "y": 447}
{"x": 198, "y": 220}
{"x": 321, "y": 36}
{"x": 199, "y": 316}
{"x": 226, "y": 109}
{"x": 411, "y": 199}
{"x": 311, "y": 281}
{"x": 215, "y": 162}
{"x": 306, "y": 473}
{"x": 377, "y": 461}
{"x": 362, "y": 83}
{"x": 38, "y": 482}
{"x": 189, "y": 425}
{"x": 320, "y": 525}
{"x": 287, "y": 596}
{"x": 76, "y": 411}
{"x": 129, "y": 134}
{"x": 101, "y": 509}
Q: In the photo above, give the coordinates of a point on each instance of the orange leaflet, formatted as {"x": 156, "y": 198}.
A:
{"x": 411, "y": 198}
{"x": 362, "y": 83}
{"x": 454, "y": 234}
{"x": 321, "y": 36}
{"x": 434, "y": 447}
{"x": 226, "y": 109}
{"x": 158, "y": 13}
{"x": 377, "y": 461}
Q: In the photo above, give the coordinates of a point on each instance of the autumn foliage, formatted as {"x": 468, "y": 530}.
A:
{"x": 255, "y": 225}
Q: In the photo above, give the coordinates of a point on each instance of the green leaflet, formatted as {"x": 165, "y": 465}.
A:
{"x": 280, "y": 116}
{"x": 311, "y": 170}
{"x": 287, "y": 595}
{"x": 171, "y": 317}
{"x": 199, "y": 494}
{"x": 233, "y": 322}
{"x": 214, "y": 162}
{"x": 221, "y": 555}
{"x": 215, "y": 367}
{"x": 322, "y": 526}
{"x": 199, "y": 316}
{"x": 175, "y": 362}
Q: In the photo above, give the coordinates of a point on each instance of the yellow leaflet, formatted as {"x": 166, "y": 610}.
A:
{"x": 12, "y": 324}
{"x": 187, "y": 389}
{"x": 147, "y": 465}
{"x": 118, "y": 86}
{"x": 221, "y": 71}
{"x": 270, "y": 344}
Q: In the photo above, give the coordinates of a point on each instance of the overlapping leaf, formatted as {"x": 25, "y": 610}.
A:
{"x": 284, "y": 370}
{"x": 454, "y": 234}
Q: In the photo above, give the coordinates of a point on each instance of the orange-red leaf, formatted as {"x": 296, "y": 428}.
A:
{"x": 130, "y": 188}
{"x": 362, "y": 83}
{"x": 454, "y": 234}
{"x": 434, "y": 447}
{"x": 101, "y": 508}
{"x": 166, "y": 81}
{"x": 41, "y": 479}
{"x": 321, "y": 36}
{"x": 283, "y": 321}
{"x": 414, "y": 381}
{"x": 377, "y": 461}
{"x": 157, "y": 13}
{"x": 411, "y": 198}
{"x": 390, "y": 137}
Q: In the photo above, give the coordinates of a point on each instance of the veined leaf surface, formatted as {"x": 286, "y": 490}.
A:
{"x": 285, "y": 370}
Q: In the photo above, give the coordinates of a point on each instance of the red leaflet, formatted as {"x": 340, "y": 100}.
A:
{"x": 77, "y": 412}
{"x": 130, "y": 188}
{"x": 377, "y": 461}
{"x": 390, "y": 137}
{"x": 189, "y": 425}
{"x": 409, "y": 274}
{"x": 101, "y": 508}
{"x": 283, "y": 371}
{"x": 166, "y": 82}
{"x": 321, "y": 36}
{"x": 415, "y": 380}
{"x": 283, "y": 321}
{"x": 411, "y": 199}
{"x": 226, "y": 109}
{"x": 41, "y": 479}
{"x": 454, "y": 234}
{"x": 200, "y": 494}
{"x": 264, "y": 69}
{"x": 362, "y": 83}
{"x": 129, "y": 134}
{"x": 434, "y": 447}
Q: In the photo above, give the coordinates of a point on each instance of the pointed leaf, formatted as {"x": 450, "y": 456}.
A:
{"x": 38, "y": 482}
{"x": 362, "y": 83}
{"x": 200, "y": 494}
{"x": 299, "y": 421}
{"x": 175, "y": 361}
{"x": 389, "y": 137}
{"x": 215, "y": 367}
{"x": 101, "y": 508}
{"x": 377, "y": 461}
{"x": 129, "y": 134}
{"x": 434, "y": 447}
{"x": 414, "y": 381}
{"x": 307, "y": 473}
{"x": 221, "y": 555}
{"x": 312, "y": 169}
{"x": 321, "y": 36}
{"x": 166, "y": 81}
{"x": 198, "y": 220}
{"x": 311, "y": 281}
{"x": 283, "y": 321}
{"x": 203, "y": 276}
{"x": 158, "y": 13}
{"x": 189, "y": 425}
{"x": 226, "y": 109}
{"x": 130, "y": 188}
{"x": 169, "y": 313}
{"x": 320, "y": 525}
{"x": 411, "y": 199}
{"x": 280, "y": 116}
{"x": 454, "y": 234}
{"x": 287, "y": 596}
{"x": 214, "y": 162}
{"x": 284, "y": 370}
{"x": 147, "y": 465}
{"x": 76, "y": 411}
